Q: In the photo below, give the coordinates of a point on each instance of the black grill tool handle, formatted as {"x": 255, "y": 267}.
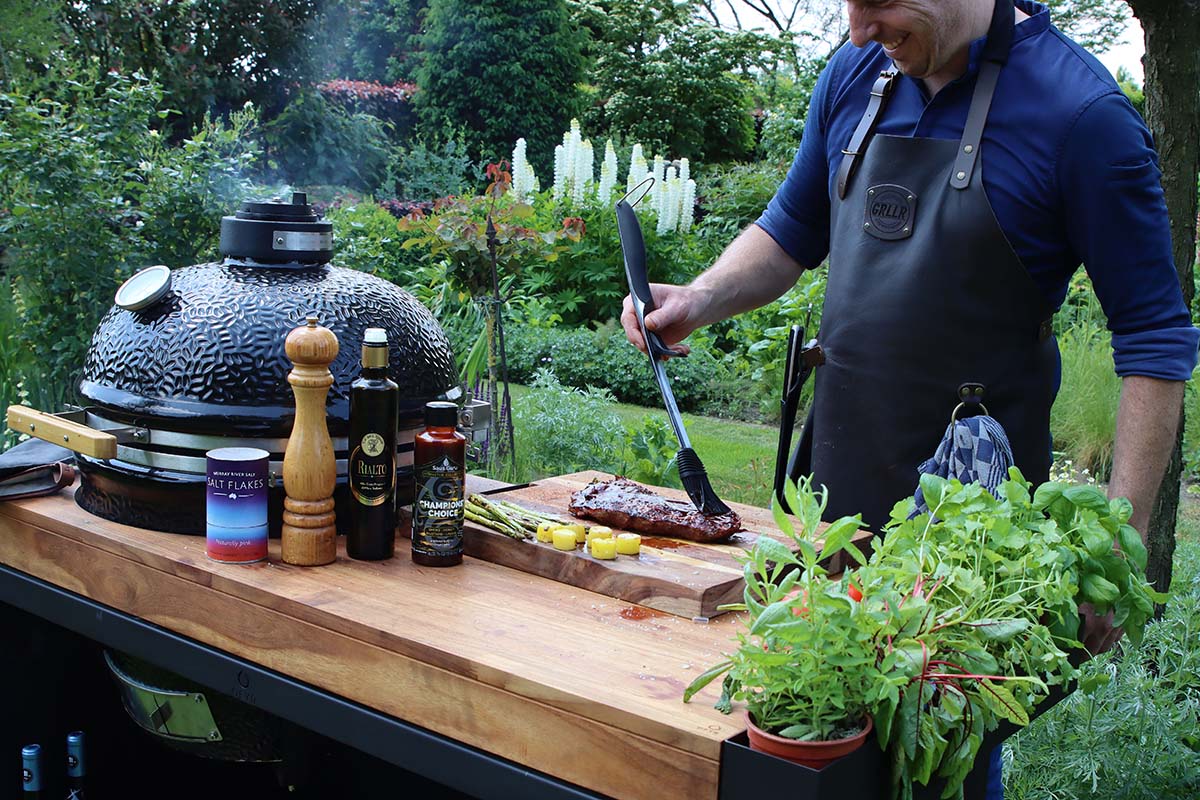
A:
{"x": 691, "y": 471}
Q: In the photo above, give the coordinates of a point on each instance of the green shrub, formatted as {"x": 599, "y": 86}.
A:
{"x": 650, "y": 451}
{"x": 10, "y": 379}
{"x": 1083, "y": 419}
{"x": 580, "y": 357}
{"x": 85, "y": 211}
{"x": 315, "y": 141}
{"x": 735, "y": 196}
{"x": 586, "y": 283}
{"x": 500, "y": 70}
{"x": 560, "y": 429}
{"x": 426, "y": 170}
{"x": 368, "y": 240}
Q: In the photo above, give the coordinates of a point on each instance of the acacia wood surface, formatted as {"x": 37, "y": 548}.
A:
{"x": 688, "y": 579}
{"x": 565, "y": 681}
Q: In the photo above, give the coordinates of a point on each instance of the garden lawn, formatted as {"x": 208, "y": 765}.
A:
{"x": 739, "y": 456}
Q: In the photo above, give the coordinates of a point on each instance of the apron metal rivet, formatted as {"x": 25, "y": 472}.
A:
{"x": 906, "y": 230}
{"x": 961, "y": 175}
{"x": 866, "y": 225}
{"x": 969, "y": 148}
{"x": 910, "y": 198}
{"x": 871, "y": 192}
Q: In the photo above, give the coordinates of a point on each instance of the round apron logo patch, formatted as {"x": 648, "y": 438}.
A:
{"x": 890, "y": 212}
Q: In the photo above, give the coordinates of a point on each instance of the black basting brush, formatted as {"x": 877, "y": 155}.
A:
{"x": 691, "y": 471}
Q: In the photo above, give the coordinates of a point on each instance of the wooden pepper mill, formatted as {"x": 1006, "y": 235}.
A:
{"x": 309, "y": 468}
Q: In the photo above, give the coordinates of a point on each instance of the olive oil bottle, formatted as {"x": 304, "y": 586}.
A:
{"x": 374, "y": 406}
{"x": 439, "y": 467}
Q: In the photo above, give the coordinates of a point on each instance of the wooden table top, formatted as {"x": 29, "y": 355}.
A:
{"x": 565, "y": 681}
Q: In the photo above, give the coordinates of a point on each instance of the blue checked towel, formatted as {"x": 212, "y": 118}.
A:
{"x": 974, "y": 449}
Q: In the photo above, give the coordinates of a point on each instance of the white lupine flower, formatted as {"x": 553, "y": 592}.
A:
{"x": 688, "y": 206}
{"x": 656, "y": 191}
{"x": 637, "y": 168}
{"x": 560, "y": 171}
{"x": 608, "y": 173}
{"x": 523, "y": 178}
{"x": 583, "y": 171}
{"x": 685, "y": 170}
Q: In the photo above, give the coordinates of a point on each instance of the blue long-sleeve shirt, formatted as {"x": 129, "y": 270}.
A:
{"x": 1068, "y": 166}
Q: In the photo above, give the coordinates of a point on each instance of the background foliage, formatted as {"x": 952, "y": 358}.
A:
{"x": 500, "y": 69}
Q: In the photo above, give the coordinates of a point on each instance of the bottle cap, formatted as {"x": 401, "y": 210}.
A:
{"x": 75, "y": 766}
{"x": 375, "y": 336}
{"x": 441, "y": 414}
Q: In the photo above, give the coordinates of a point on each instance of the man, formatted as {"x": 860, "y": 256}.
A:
{"x": 959, "y": 161}
{"x": 997, "y": 163}
{"x": 951, "y": 244}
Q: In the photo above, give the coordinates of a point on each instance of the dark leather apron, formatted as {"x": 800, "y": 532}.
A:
{"x": 925, "y": 293}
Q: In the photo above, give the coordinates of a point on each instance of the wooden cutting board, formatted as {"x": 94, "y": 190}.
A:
{"x": 688, "y": 579}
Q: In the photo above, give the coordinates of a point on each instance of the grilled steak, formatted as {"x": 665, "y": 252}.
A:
{"x": 622, "y": 503}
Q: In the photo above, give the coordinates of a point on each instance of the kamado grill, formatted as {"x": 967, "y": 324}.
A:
{"x": 193, "y": 359}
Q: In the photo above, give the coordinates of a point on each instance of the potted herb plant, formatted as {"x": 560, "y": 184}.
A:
{"x": 806, "y": 662}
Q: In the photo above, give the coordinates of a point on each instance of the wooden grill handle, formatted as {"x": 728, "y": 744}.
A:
{"x": 62, "y": 432}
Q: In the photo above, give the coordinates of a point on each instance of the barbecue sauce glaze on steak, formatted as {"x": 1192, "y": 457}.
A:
{"x": 622, "y": 503}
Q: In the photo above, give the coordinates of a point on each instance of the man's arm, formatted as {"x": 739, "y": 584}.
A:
{"x": 753, "y": 271}
{"x": 1147, "y": 422}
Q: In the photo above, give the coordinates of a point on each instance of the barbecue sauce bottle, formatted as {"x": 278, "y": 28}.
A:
{"x": 440, "y": 471}
{"x": 374, "y": 405}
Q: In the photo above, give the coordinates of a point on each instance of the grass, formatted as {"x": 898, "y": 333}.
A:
{"x": 1083, "y": 419}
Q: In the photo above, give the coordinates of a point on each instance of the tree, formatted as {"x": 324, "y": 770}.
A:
{"x": 209, "y": 56}
{"x": 1172, "y": 62}
{"x": 1132, "y": 90}
{"x": 664, "y": 77}
{"x": 500, "y": 70}
{"x": 1095, "y": 24}
{"x": 29, "y": 32}
{"x": 372, "y": 40}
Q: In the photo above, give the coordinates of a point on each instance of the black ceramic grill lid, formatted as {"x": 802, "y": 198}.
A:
{"x": 208, "y": 357}
{"x": 205, "y": 362}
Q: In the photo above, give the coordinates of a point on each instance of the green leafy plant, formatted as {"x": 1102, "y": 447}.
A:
{"x": 977, "y": 608}
{"x": 653, "y": 448}
{"x": 91, "y": 192}
{"x": 561, "y": 429}
{"x": 806, "y": 662}
{"x": 1132, "y": 729}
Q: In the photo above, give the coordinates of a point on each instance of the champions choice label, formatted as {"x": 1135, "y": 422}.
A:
{"x": 438, "y": 508}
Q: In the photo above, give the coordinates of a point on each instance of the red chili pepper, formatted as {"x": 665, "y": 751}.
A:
{"x": 803, "y": 595}
{"x": 855, "y": 593}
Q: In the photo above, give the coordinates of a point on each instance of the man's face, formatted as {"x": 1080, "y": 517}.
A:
{"x": 921, "y": 36}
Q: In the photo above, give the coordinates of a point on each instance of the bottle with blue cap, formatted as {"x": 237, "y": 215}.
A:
{"x": 76, "y": 766}
{"x": 31, "y": 771}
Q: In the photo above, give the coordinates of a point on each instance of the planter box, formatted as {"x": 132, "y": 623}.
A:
{"x": 747, "y": 774}
{"x": 750, "y": 775}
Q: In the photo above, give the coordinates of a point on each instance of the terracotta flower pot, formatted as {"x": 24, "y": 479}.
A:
{"x": 811, "y": 754}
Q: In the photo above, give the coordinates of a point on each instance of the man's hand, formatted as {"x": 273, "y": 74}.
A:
{"x": 675, "y": 316}
{"x": 1097, "y": 632}
{"x": 753, "y": 271}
